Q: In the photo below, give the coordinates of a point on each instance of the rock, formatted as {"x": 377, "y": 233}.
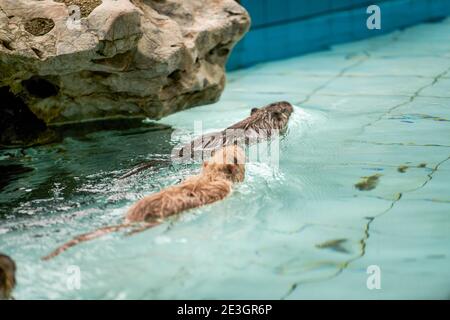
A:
{"x": 75, "y": 60}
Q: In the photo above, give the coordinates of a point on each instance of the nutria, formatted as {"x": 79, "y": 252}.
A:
{"x": 261, "y": 124}
{"x": 7, "y": 277}
{"x": 213, "y": 184}
{"x": 227, "y": 166}
{"x": 274, "y": 116}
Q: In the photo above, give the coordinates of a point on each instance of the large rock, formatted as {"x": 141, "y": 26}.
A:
{"x": 111, "y": 58}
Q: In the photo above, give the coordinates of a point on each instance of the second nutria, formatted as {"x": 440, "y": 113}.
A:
{"x": 7, "y": 277}
{"x": 213, "y": 184}
{"x": 227, "y": 166}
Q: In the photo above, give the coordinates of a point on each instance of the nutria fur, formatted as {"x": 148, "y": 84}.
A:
{"x": 262, "y": 123}
{"x": 213, "y": 184}
{"x": 7, "y": 276}
{"x": 274, "y": 116}
{"x": 227, "y": 166}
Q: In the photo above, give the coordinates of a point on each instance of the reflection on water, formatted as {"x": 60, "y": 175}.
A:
{"x": 76, "y": 168}
{"x": 11, "y": 172}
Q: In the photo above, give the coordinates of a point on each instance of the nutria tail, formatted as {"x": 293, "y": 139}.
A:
{"x": 137, "y": 169}
{"x": 144, "y": 227}
{"x": 83, "y": 238}
{"x": 151, "y": 164}
{"x": 97, "y": 234}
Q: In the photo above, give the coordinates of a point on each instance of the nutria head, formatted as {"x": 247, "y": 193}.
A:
{"x": 228, "y": 161}
{"x": 7, "y": 276}
{"x": 274, "y": 116}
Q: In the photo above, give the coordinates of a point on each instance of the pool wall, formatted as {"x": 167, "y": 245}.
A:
{"x": 285, "y": 28}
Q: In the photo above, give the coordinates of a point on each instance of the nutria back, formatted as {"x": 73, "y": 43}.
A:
{"x": 228, "y": 161}
{"x": 225, "y": 167}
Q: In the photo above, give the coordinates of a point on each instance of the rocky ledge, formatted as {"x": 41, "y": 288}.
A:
{"x": 76, "y": 60}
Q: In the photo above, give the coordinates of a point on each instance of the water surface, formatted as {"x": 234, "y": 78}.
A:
{"x": 362, "y": 180}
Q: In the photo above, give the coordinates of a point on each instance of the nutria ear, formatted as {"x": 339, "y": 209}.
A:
{"x": 253, "y": 111}
{"x": 205, "y": 163}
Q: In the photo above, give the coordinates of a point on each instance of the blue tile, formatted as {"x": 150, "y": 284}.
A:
{"x": 283, "y": 28}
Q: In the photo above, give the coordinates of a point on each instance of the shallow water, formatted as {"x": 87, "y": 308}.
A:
{"x": 307, "y": 228}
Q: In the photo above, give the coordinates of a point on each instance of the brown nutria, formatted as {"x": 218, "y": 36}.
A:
{"x": 274, "y": 116}
{"x": 7, "y": 277}
{"x": 214, "y": 183}
{"x": 261, "y": 124}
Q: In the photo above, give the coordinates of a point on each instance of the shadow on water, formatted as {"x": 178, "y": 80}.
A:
{"x": 89, "y": 155}
{"x": 11, "y": 172}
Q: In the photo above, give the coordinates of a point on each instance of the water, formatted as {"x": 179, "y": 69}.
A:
{"x": 298, "y": 230}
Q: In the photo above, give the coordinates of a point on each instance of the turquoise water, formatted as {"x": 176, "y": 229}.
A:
{"x": 298, "y": 230}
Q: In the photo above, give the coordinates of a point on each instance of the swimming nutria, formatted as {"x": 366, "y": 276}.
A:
{"x": 7, "y": 276}
{"x": 214, "y": 183}
{"x": 261, "y": 124}
{"x": 274, "y": 116}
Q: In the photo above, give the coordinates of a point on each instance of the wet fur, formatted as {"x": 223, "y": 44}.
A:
{"x": 7, "y": 277}
{"x": 274, "y": 116}
{"x": 214, "y": 183}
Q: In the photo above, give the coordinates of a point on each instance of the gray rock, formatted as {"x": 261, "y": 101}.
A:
{"x": 116, "y": 58}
